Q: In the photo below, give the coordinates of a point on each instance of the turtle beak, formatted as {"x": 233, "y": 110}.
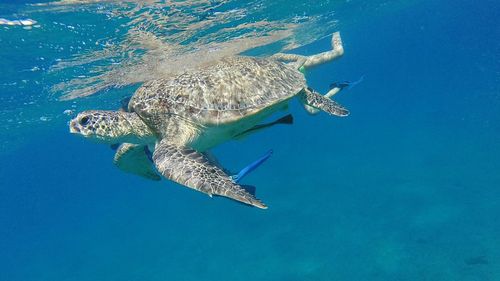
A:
{"x": 74, "y": 127}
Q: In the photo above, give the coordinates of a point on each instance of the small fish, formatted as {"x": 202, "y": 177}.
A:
{"x": 348, "y": 84}
{"x": 287, "y": 120}
{"x": 245, "y": 171}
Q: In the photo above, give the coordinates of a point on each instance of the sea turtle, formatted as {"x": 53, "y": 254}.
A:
{"x": 179, "y": 118}
{"x": 137, "y": 159}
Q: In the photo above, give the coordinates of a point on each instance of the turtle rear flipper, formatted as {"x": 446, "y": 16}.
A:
{"x": 305, "y": 62}
{"x": 134, "y": 159}
{"x": 190, "y": 168}
{"x": 311, "y": 98}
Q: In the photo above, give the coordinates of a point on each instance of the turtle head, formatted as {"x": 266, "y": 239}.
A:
{"x": 110, "y": 126}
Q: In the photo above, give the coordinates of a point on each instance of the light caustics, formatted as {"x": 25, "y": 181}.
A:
{"x": 164, "y": 38}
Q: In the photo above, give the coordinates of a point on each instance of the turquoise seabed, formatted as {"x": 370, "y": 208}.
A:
{"x": 405, "y": 188}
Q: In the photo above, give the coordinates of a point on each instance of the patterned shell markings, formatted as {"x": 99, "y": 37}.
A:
{"x": 223, "y": 92}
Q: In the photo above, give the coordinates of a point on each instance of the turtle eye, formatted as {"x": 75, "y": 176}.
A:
{"x": 84, "y": 121}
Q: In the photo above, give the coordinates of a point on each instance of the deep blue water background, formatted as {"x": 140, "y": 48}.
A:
{"x": 405, "y": 188}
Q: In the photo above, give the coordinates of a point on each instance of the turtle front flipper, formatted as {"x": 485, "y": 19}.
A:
{"x": 310, "y": 98}
{"x": 134, "y": 159}
{"x": 190, "y": 168}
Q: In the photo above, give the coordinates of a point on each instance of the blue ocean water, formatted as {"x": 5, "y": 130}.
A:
{"x": 405, "y": 188}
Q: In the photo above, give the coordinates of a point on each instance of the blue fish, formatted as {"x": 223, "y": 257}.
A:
{"x": 348, "y": 84}
{"x": 245, "y": 171}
